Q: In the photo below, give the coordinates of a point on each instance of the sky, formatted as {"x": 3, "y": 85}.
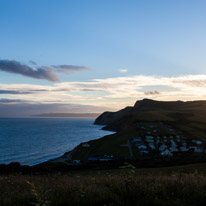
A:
{"x": 92, "y": 56}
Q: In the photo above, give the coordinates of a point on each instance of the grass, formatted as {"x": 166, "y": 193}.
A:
{"x": 109, "y": 145}
{"x": 183, "y": 185}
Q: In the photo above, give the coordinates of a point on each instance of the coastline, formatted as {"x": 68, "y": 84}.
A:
{"x": 62, "y": 157}
{"x": 46, "y": 160}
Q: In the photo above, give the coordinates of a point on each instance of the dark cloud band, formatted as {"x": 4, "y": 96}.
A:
{"x": 43, "y": 72}
{"x": 152, "y": 93}
{"x": 18, "y": 68}
{"x": 13, "y": 92}
{"x": 69, "y": 69}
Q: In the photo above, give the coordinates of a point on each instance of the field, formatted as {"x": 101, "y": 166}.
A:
{"x": 182, "y": 185}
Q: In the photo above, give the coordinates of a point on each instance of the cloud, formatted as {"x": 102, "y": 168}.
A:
{"x": 7, "y": 101}
{"x": 152, "y": 93}
{"x": 67, "y": 69}
{"x": 22, "y": 91}
{"x": 33, "y": 62}
{"x": 123, "y": 70}
{"x": 193, "y": 82}
{"x": 18, "y": 68}
{"x": 13, "y": 92}
{"x": 115, "y": 92}
{"x": 41, "y": 72}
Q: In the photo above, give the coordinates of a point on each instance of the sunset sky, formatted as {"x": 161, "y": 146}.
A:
{"x": 92, "y": 56}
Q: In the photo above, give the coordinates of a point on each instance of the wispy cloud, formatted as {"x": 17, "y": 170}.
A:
{"x": 33, "y": 62}
{"x": 123, "y": 70}
{"x": 27, "y": 91}
{"x": 151, "y": 93}
{"x": 39, "y": 72}
{"x": 8, "y": 101}
{"x": 115, "y": 92}
{"x": 67, "y": 69}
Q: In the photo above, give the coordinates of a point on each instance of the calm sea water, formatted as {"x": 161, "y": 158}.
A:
{"x": 33, "y": 140}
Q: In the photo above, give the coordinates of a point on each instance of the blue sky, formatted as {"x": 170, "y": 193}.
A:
{"x": 161, "y": 38}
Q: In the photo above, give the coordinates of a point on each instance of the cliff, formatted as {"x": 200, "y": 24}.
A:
{"x": 151, "y": 110}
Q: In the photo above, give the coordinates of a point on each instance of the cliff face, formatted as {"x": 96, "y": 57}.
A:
{"x": 111, "y": 117}
{"x": 114, "y": 120}
{"x": 150, "y": 110}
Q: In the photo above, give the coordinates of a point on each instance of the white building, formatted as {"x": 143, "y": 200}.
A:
{"x": 158, "y": 139}
{"x": 76, "y": 161}
{"x": 184, "y": 144}
{"x": 165, "y": 138}
{"x": 142, "y": 147}
{"x": 196, "y": 149}
{"x": 85, "y": 145}
{"x": 171, "y": 137}
{"x": 149, "y": 139}
{"x": 144, "y": 152}
{"x": 152, "y": 146}
{"x": 184, "y": 149}
{"x": 166, "y": 153}
{"x": 197, "y": 142}
{"x": 163, "y": 147}
{"x": 137, "y": 139}
{"x": 173, "y": 147}
{"x": 178, "y": 138}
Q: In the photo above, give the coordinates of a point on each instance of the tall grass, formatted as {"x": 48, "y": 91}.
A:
{"x": 127, "y": 188}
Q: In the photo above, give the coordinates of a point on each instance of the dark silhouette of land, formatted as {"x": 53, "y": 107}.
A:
{"x": 114, "y": 170}
{"x": 89, "y": 115}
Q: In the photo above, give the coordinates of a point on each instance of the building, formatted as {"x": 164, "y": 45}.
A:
{"x": 142, "y": 152}
{"x": 173, "y": 147}
{"x": 93, "y": 159}
{"x": 158, "y": 139}
{"x": 152, "y": 146}
{"x": 85, "y": 145}
{"x": 137, "y": 139}
{"x": 171, "y": 137}
{"x": 165, "y": 138}
{"x": 76, "y": 161}
{"x": 198, "y": 142}
{"x": 163, "y": 147}
{"x": 184, "y": 149}
{"x": 166, "y": 153}
{"x": 149, "y": 139}
{"x": 196, "y": 149}
{"x": 142, "y": 146}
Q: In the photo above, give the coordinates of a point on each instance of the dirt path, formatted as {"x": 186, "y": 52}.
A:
{"x": 35, "y": 193}
{"x": 130, "y": 149}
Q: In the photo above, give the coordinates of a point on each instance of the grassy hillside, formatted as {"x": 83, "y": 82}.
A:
{"x": 185, "y": 119}
{"x": 189, "y": 117}
{"x": 184, "y": 186}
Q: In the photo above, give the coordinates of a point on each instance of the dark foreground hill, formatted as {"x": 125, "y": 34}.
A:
{"x": 182, "y": 186}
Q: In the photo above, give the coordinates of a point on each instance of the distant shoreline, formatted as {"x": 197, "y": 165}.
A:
{"x": 66, "y": 115}
{"x": 56, "y": 115}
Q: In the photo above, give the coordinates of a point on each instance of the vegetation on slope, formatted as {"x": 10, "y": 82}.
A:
{"x": 184, "y": 186}
{"x": 189, "y": 117}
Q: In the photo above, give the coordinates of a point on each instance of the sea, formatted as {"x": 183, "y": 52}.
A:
{"x": 31, "y": 141}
